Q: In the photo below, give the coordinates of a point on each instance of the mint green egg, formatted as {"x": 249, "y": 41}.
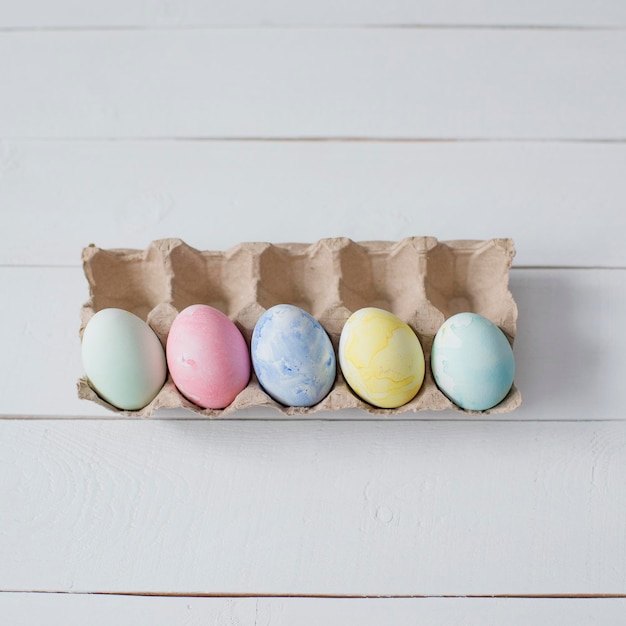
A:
{"x": 123, "y": 359}
{"x": 472, "y": 362}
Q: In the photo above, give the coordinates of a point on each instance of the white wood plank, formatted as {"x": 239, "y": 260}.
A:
{"x": 569, "y": 348}
{"x": 337, "y": 508}
{"x": 57, "y": 197}
{"x": 26, "y": 609}
{"x": 65, "y": 13}
{"x": 396, "y": 83}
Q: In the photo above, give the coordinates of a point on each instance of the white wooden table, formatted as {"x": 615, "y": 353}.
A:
{"x": 220, "y": 122}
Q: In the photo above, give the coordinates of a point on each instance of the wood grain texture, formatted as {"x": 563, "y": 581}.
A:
{"x": 331, "y": 508}
{"x": 26, "y": 609}
{"x": 220, "y": 122}
{"x": 155, "y": 13}
{"x": 214, "y": 195}
{"x": 568, "y": 348}
{"x": 366, "y": 83}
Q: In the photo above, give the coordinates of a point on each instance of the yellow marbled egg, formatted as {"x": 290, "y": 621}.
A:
{"x": 381, "y": 358}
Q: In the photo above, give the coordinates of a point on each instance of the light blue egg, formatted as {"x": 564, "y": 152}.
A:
{"x": 472, "y": 362}
{"x": 292, "y": 356}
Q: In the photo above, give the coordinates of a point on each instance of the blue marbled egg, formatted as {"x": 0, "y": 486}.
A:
{"x": 472, "y": 362}
{"x": 292, "y": 356}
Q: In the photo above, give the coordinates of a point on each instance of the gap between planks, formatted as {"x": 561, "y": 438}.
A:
{"x": 311, "y": 139}
{"x": 540, "y": 596}
{"x": 306, "y": 26}
{"x": 489, "y": 419}
{"x": 513, "y": 267}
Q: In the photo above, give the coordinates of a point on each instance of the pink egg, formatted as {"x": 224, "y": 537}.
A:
{"x": 207, "y": 357}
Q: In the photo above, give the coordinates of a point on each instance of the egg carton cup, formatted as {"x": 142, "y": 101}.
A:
{"x": 420, "y": 279}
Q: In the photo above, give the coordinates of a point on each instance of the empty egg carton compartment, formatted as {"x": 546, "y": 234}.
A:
{"x": 420, "y": 279}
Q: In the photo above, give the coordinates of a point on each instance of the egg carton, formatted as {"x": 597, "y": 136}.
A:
{"x": 420, "y": 279}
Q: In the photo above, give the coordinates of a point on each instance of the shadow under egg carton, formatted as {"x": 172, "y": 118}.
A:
{"x": 420, "y": 279}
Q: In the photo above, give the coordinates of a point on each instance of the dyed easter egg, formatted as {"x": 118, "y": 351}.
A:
{"x": 123, "y": 359}
{"x": 207, "y": 357}
{"x": 472, "y": 361}
{"x": 381, "y": 358}
{"x": 292, "y": 356}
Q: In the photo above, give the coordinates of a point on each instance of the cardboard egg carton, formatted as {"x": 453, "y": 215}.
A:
{"x": 420, "y": 279}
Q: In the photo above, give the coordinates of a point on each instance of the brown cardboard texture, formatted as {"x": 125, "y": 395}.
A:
{"x": 421, "y": 280}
